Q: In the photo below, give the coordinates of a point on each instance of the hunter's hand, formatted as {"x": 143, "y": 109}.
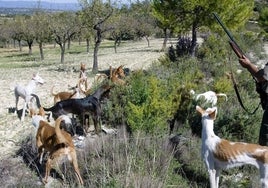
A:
{"x": 253, "y": 69}
{"x": 245, "y": 62}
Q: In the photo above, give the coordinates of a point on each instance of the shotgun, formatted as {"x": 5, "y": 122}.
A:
{"x": 240, "y": 54}
{"x": 232, "y": 42}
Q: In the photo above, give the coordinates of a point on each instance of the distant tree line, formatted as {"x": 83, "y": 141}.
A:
{"x": 100, "y": 19}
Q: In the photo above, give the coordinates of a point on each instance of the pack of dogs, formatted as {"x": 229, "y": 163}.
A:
{"x": 217, "y": 153}
{"x": 53, "y": 138}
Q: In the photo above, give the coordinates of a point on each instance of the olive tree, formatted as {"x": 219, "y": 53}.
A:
{"x": 95, "y": 14}
{"x": 42, "y": 31}
{"x": 64, "y": 26}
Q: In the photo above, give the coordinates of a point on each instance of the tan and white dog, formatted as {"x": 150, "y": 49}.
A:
{"x": 63, "y": 95}
{"x": 57, "y": 143}
{"x": 219, "y": 153}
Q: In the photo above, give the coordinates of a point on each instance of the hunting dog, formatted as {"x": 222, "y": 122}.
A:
{"x": 219, "y": 153}
{"x": 90, "y": 104}
{"x": 25, "y": 92}
{"x": 83, "y": 76}
{"x": 39, "y": 111}
{"x": 115, "y": 75}
{"x": 57, "y": 142}
{"x": 209, "y": 97}
{"x": 63, "y": 95}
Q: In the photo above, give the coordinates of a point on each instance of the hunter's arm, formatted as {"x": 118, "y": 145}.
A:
{"x": 253, "y": 69}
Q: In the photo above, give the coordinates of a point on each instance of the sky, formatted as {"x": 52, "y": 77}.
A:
{"x": 69, "y": 1}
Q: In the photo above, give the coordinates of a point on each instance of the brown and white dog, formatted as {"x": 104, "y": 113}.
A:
{"x": 115, "y": 75}
{"x": 83, "y": 76}
{"x": 220, "y": 153}
{"x": 57, "y": 143}
{"x": 63, "y": 95}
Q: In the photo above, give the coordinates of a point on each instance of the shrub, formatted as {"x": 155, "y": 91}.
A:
{"x": 149, "y": 109}
{"x": 183, "y": 48}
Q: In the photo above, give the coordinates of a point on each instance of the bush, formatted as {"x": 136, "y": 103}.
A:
{"x": 148, "y": 108}
{"x": 183, "y": 48}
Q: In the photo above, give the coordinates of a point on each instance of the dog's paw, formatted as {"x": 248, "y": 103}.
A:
{"x": 44, "y": 180}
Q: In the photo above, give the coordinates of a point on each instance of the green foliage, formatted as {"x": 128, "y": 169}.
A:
{"x": 148, "y": 108}
{"x": 263, "y": 19}
{"x": 214, "y": 49}
{"x": 223, "y": 85}
{"x": 165, "y": 14}
{"x": 151, "y": 98}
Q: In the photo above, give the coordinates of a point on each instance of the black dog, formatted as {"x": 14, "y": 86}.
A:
{"x": 89, "y": 104}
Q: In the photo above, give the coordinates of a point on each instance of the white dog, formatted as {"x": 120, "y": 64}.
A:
{"x": 209, "y": 96}
{"x": 219, "y": 153}
{"x": 25, "y": 92}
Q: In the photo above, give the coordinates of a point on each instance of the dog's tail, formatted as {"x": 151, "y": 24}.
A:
{"x": 58, "y": 131}
{"x": 222, "y": 95}
{"x": 49, "y": 109}
{"x": 38, "y": 104}
{"x": 51, "y": 91}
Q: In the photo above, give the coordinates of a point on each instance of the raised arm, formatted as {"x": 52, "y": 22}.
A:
{"x": 253, "y": 69}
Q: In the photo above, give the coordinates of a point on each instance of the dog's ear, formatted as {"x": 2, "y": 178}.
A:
{"x": 200, "y": 110}
{"x": 82, "y": 66}
{"x": 35, "y": 74}
{"x": 120, "y": 67}
{"x": 213, "y": 113}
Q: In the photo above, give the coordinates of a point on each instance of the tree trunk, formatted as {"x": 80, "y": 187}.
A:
{"x": 20, "y": 46}
{"x": 96, "y": 48}
{"x": 194, "y": 39}
{"x": 30, "y": 44}
{"x": 87, "y": 40}
{"x": 30, "y": 50}
{"x": 40, "y": 44}
{"x": 62, "y": 48}
{"x": 116, "y": 43}
{"x": 69, "y": 44}
{"x": 164, "y": 46}
{"x": 148, "y": 41}
{"x": 95, "y": 58}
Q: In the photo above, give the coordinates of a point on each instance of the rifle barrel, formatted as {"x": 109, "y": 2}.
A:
{"x": 224, "y": 28}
